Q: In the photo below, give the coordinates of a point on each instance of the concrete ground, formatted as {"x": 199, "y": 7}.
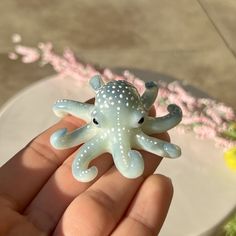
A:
{"x": 191, "y": 40}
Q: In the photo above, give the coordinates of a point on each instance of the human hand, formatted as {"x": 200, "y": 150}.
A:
{"x": 39, "y": 196}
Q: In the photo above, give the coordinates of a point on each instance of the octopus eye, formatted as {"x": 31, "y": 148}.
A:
{"x": 141, "y": 120}
{"x": 95, "y": 121}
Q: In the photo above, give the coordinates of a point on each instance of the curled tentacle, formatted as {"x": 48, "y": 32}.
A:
{"x": 89, "y": 151}
{"x": 157, "y": 146}
{"x": 164, "y": 123}
{"x": 81, "y": 110}
{"x": 150, "y": 94}
{"x": 61, "y": 139}
{"x": 128, "y": 162}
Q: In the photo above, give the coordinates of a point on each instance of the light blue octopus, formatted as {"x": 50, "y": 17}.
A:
{"x": 118, "y": 123}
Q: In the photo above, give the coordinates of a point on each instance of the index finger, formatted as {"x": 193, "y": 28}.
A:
{"x": 25, "y": 174}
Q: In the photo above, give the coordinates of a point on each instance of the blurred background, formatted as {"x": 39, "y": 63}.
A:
{"x": 190, "y": 40}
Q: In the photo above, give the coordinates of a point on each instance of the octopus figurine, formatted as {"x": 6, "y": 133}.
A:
{"x": 117, "y": 123}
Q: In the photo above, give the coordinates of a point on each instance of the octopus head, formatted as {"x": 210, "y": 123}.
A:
{"x": 117, "y": 104}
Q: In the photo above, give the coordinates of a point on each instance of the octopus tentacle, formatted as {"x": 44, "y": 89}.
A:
{"x": 128, "y": 162}
{"x": 61, "y": 139}
{"x": 164, "y": 123}
{"x": 89, "y": 151}
{"x": 96, "y": 82}
{"x": 150, "y": 94}
{"x": 78, "y": 109}
{"x": 157, "y": 146}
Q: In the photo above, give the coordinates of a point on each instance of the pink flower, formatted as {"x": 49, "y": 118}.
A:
{"x": 29, "y": 55}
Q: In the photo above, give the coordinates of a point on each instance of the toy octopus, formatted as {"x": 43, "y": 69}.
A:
{"x": 117, "y": 123}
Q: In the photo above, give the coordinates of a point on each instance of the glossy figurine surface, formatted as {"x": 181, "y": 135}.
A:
{"x": 117, "y": 123}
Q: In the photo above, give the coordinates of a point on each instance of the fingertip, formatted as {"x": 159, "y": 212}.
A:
{"x": 149, "y": 208}
{"x": 73, "y": 120}
{"x": 161, "y": 183}
{"x": 159, "y": 190}
{"x": 152, "y": 112}
{"x": 165, "y": 136}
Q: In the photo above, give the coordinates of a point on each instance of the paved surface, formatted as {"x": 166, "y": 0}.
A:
{"x": 190, "y": 40}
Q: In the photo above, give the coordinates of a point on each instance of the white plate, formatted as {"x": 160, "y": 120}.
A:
{"x": 205, "y": 190}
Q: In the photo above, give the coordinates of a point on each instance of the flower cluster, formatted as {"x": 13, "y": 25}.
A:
{"x": 204, "y": 116}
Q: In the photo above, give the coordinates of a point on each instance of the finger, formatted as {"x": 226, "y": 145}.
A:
{"x": 148, "y": 209}
{"x": 98, "y": 210}
{"x": 47, "y": 207}
{"x": 152, "y": 111}
{"x": 23, "y": 175}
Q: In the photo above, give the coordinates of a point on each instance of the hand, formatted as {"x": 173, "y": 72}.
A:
{"x": 39, "y": 196}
